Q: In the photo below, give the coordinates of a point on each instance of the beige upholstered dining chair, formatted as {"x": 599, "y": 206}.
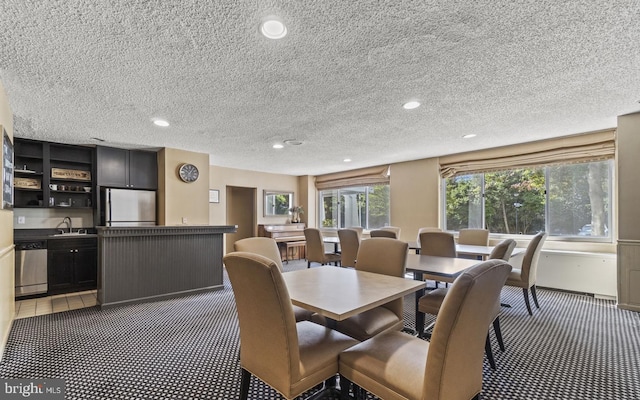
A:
{"x": 476, "y": 237}
{"x": 431, "y": 302}
{"x": 383, "y": 233}
{"x": 315, "y": 249}
{"x": 441, "y": 244}
{"x": 267, "y": 247}
{"x": 395, "y": 229}
{"x": 525, "y": 277}
{"x": 426, "y": 229}
{"x": 349, "y": 245}
{"x": 396, "y": 366}
{"x": 288, "y": 356}
{"x": 382, "y": 256}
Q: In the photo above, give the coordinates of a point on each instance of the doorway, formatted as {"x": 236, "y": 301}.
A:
{"x": 241, "y": 211}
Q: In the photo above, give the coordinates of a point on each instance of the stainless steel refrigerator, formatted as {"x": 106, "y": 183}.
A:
{"x": 123, "y": 207}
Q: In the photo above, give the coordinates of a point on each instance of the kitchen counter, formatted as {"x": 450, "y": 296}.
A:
{"x": 21, "y": 235}
{"x": 146, "y": 263}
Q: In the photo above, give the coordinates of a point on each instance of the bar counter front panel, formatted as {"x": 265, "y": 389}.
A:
{"x": 147, "y": 263}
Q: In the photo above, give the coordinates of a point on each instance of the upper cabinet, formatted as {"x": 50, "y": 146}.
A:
{"x": 28, "y": 173}
{"x": 53, "y": 175}
{"x": 134, "y": 169}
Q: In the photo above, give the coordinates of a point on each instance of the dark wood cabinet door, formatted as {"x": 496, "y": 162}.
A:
{"x": 60, "y": 270}
{"x": 112, "y": 167}
{"x": 143, "y": 170}
{"x": 86, "y": 267}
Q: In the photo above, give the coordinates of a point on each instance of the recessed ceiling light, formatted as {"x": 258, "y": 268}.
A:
{"x": 160, "y": 122}
{"x": 273, "y": 28}
{"x": 469, "y": 136}
{"x": 278, "y": 146}
{"x": 410, "y": 105}
{"x": 293, "y": 142}
{"x": 347, "y": 160}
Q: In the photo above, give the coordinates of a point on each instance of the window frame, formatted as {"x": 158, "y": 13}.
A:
{"x": 568, "y": 238}
{"x": 366, "y": 192}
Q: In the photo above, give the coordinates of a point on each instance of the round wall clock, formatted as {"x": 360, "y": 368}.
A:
{"x": 189, "y": 172}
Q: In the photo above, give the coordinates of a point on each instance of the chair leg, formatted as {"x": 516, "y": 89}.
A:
{"x": 245, "y": 380}
{"x": 526, "y": 300}
{"x": 498, "y": 332}
{"x": 345, "y": 384}
{"x": 535, "y": 296}
{"x": 308, "y": 264}
{"x": 489, "y": 352}
{"x": 420, "y": 324}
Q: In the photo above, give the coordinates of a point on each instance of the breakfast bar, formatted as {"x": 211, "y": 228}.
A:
{"x": 145, "y": 263}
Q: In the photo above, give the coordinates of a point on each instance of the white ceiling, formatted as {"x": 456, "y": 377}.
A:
{"x": 508, "y": 71}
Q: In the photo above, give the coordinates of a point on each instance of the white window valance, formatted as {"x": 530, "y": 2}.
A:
{"x": 357, "y": 177}
{"x": 570, "y": 149}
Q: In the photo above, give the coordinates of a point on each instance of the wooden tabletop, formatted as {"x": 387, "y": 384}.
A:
{"x": 442, "y": 266}
{"x": 339, "y": 293}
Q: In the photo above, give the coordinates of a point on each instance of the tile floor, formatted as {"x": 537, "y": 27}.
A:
{"x": 54, "y": 304}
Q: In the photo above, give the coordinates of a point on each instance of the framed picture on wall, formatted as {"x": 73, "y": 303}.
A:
{"x": 214, "y": 196}
{"x": 7, "y": 170}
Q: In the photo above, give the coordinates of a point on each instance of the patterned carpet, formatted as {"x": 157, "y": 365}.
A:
{"x": 575, "y": 347}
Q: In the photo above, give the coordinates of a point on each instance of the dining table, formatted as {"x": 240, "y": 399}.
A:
{"x": 339, "y": 293}
{"x": 332, "y": 240}
{"x": 447, "y": 267}
{"x": 480, "y": 252}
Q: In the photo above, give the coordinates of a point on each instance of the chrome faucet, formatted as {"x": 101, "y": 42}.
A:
{"x": 67, "y": 221}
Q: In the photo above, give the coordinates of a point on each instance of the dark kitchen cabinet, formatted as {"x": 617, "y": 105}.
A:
{"x": 53, "y": 175}
{"x": 133, "y": 169}
{"x": 72, "y": 265}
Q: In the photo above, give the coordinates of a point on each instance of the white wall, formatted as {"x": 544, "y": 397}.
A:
{"x": 7, "y": 253}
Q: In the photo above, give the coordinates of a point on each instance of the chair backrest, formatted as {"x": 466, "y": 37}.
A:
{"x": 426, "y": 229}
{"x": 266, "y": 247}
{"x": 315, "y": 245}
{"x": 456, "y": 351}
{"x": 386, "y": 256}
{"x": 383, "y": 233}
{"x": 503, "y": 250}
{"x": 529, "y": 269}
{"x": 395, "y": 229}
{"x": 358, "y": 229}
{"x": 441, "y": 244}
{"x": 349, "y": 245}
{"x": 268, "y": 336}
{"x": 476, "y": 237}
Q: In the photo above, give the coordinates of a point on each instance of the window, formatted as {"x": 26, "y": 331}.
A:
{"x": 564, "y": 200}
{"x": 365, "y": 206}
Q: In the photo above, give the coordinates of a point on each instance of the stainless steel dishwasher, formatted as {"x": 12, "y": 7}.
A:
{"x": 31, "y": 267}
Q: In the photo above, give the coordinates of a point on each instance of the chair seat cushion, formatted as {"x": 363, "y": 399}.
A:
{"x": 515, "y": 279}
{"x": 430, "y": 303}
{"x": 331, "y": 257}
{"x": 370, "y": 323}
{"x": 319, "y": 349}
{"x": 366, "y": 324}
{"x": 302, "y": 314}
{"x": 391, "y": 365}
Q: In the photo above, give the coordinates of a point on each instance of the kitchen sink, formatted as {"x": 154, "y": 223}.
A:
{"x": 70, "y": 234}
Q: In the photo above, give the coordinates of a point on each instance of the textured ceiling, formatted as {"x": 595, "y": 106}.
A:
{"x": 508, "y": 71}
